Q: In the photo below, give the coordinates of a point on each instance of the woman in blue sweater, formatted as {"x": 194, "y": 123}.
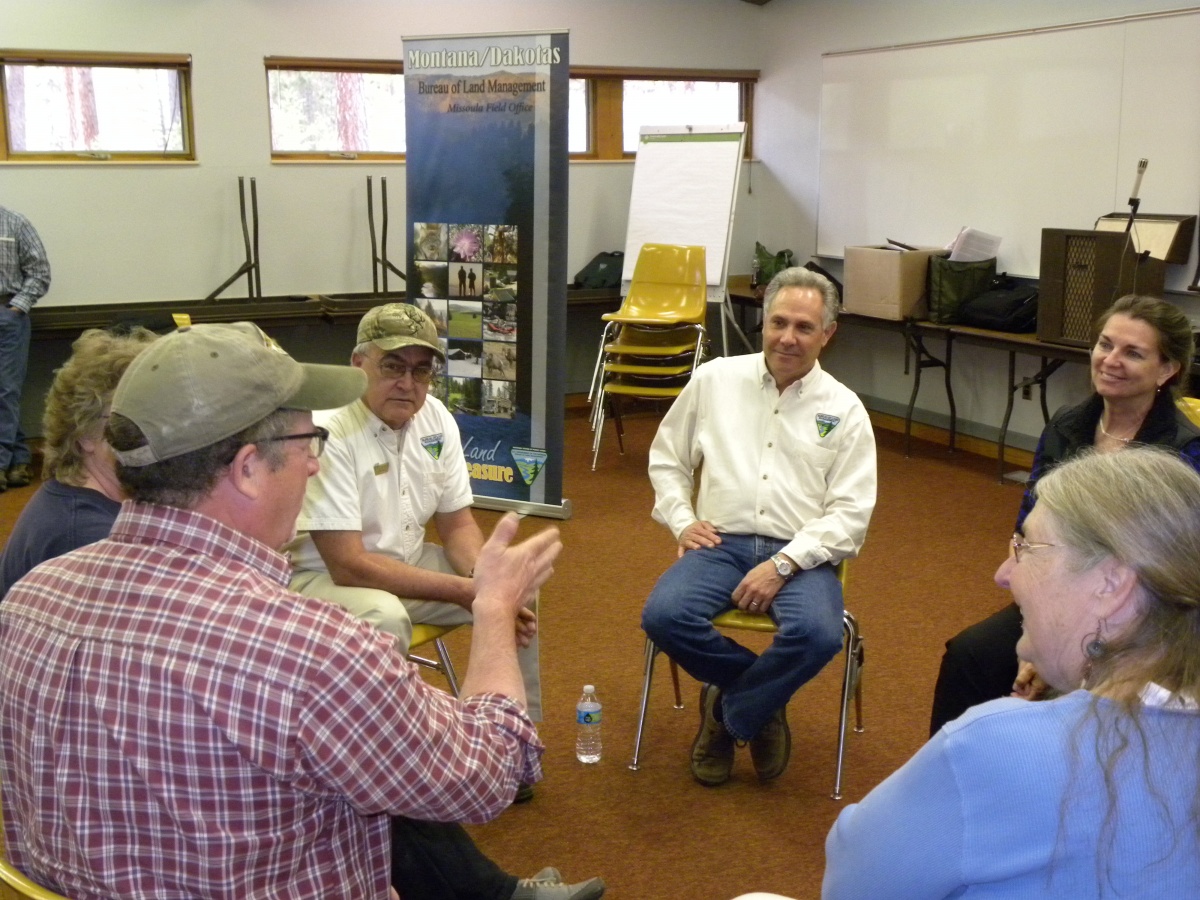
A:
{"x": 1092, "y": 794}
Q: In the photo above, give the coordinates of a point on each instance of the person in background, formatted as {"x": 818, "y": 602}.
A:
{"x": 395, "y": 463}
{"x": 786, "y": 491}
{"x": 80, "y": 497}
{"x": 173, "y": 648}
{"x": 24, "y": 279}
{"x": 1092, "y": 794}
{"x": 1139, "y": 364}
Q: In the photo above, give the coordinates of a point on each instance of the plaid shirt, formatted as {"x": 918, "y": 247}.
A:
{"x": 175, "y": 723}
{"x": 24, "y": 268}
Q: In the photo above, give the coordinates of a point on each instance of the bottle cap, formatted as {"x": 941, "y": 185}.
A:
{"x": 589, "y": 689}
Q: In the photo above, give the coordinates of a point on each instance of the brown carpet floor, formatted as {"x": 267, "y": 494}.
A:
{"x": 938, "y": 533}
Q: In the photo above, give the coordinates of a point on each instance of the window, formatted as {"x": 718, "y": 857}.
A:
{"x": 95, "y": 107}
{"x": 610, "y": 106}
{"x": 339, "y": 109}
{"x": 335, "y": 109}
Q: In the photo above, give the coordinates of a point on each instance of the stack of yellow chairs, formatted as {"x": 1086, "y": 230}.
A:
{"x": 653, "y": 343}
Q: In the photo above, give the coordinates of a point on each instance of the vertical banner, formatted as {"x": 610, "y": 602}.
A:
{"x": 486, "y": 126}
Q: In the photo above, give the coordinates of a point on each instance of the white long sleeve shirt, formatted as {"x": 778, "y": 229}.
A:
{"x": 798, "y": 465}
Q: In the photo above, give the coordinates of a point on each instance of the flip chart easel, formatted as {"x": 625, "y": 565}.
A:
{"x": 685, "y": 181}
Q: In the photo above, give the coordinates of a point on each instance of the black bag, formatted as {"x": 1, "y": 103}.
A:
{"x": 953, "y": 282}
{"x": 603, "y": 272}
{"x": 1006, "y": 306}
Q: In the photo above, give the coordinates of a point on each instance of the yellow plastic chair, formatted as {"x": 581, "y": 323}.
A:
{"x": 761, "y": 622}
{"x": 1191, "y": 408}
{"x": 653, "y": 343}
{"x": 13, "y": 884}
{"x": 667, "y": 290}
{"x": 433, "y": 634}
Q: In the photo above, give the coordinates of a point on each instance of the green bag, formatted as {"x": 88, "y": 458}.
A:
{"x": 770, "y": 264}
{"x": 953, "y": 283}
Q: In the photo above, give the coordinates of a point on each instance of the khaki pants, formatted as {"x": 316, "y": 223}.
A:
{"x": 396, "y": 616}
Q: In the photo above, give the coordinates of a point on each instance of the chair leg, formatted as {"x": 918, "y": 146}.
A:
{"x": 651, "y": 652}
{"x": 447, "y": 666}
{"x": 675, "y": 681}
{"x": 443, "y": 664}
{"x": 849, "y": 678}
{"x": 860, "y": 660}
{"x": 599, "y": 429}
{"x": 594, "y": 388}
{"x": 616, "y": 414}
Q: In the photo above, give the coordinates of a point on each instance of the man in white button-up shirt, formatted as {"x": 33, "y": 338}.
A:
{"x": 787, "y": 488}
{"x": 395, "y": 463}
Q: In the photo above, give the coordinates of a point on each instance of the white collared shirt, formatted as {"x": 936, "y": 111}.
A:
{"x": 386, "y": 484}
{"x": 798, "y": 466}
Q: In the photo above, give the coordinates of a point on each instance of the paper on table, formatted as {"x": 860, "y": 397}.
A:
{"x": 972, "y": 245}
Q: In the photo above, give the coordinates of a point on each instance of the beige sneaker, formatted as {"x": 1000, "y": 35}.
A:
{"x": 712, "y": 751}
{"x": 772, "y": 746}
{"x": 19, "y": 475}
{"x": 548, "y": 885}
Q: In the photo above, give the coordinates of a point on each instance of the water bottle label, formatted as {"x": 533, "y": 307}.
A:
{"x": 587, "y": 716}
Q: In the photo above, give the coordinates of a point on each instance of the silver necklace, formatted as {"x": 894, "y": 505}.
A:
{"x": 1114, "y": 437}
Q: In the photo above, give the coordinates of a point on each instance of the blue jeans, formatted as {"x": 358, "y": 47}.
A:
{"x": 698, "y": 587}
{"x": 14, "y": 355}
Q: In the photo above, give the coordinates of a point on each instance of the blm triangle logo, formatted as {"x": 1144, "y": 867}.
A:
{"x": 530, "y": 462}
{"x": 826, "y": 423}
{"x": 433, "y": 444}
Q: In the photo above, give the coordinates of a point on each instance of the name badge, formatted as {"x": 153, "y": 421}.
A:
{"x": 382, "y": 468}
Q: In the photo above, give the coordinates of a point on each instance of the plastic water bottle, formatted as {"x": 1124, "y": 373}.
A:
{"x": 587, "y": 718}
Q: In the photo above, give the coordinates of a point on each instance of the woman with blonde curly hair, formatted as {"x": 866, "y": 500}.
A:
{"x": 80, "y": 497}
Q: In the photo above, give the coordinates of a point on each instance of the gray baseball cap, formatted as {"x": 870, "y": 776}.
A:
{"x": 204, "y": 383}
{"x": 395, "y": 325}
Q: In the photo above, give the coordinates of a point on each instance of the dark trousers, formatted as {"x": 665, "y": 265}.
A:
{"x": 440, "y": 861}
{"x": 980, "y": 664}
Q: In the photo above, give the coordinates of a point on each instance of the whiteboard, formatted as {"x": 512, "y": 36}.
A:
{"x": 684, "y": 188}
{"x": 1010, "y": 134}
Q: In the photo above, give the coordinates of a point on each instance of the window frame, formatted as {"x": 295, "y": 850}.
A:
{"x": 178, "y": 62}
{"x": 325, "y": 64}
{"x": 606, "y": 97}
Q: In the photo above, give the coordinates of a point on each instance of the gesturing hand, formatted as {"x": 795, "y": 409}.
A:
{"x": 509, "y": 574}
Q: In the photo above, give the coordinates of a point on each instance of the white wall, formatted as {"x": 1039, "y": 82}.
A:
{"x": 164, "y": 232}
{"x": 170, "y": 231}
{"x": 794, "y": 34}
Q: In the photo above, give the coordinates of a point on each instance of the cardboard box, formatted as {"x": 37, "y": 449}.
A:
{"x": 887, "y": 283}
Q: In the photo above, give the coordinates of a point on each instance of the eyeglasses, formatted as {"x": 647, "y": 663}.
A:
{"x": 396, "y": 370}
{"x": 316, "y": 438}
{"x": 1019, "y": 543}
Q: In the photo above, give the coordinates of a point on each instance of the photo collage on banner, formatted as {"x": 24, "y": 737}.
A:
{"x": 469, "y": 288}
{"x": 486, "y": 169}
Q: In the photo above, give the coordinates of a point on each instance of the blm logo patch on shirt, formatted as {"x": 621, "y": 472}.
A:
{"x": 433, "y": 444}
{"x": 826, "y": 423}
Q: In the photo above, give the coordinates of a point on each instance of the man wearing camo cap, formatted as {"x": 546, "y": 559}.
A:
{"x": 394, "y": 464}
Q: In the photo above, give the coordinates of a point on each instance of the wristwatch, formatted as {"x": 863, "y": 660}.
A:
{"x": 783, "y": 566}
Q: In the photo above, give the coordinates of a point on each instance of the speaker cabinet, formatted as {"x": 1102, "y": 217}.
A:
{"x": 1082, "y": 273}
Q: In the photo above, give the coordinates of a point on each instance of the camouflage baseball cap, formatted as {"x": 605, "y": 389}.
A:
{"x": 395, "y": 325}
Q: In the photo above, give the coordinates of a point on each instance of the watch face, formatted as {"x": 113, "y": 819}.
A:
{"x": 782, "y": 566}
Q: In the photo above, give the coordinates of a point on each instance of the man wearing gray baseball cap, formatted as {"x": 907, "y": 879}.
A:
{"x": 176, "y": 721}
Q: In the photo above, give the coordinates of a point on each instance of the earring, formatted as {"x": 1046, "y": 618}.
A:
{"x": 1095, "y": 646}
